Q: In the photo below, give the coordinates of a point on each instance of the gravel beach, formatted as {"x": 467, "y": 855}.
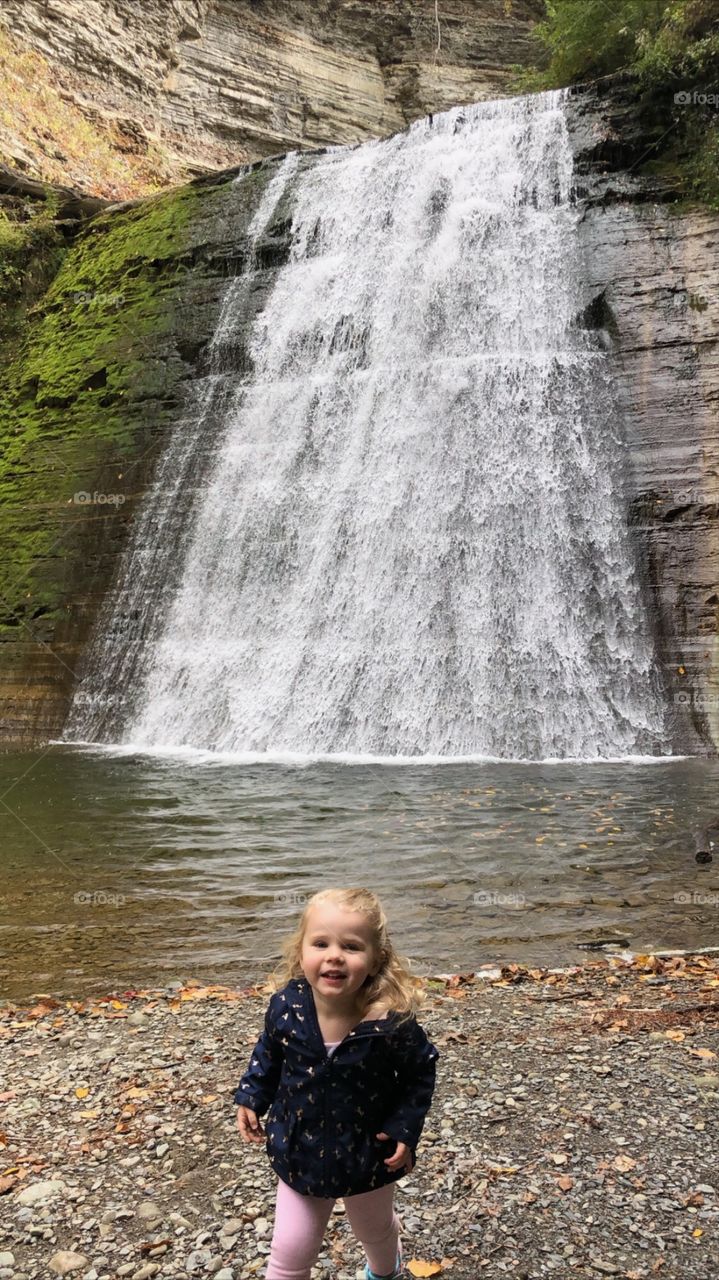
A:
{"x": 573, "y": 1131}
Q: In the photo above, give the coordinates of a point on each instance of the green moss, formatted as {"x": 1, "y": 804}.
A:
{"x": 86, "y": 397}
{"x": 31, "y": 250}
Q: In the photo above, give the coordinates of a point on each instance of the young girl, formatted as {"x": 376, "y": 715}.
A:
{"x": 348, "y": 1075}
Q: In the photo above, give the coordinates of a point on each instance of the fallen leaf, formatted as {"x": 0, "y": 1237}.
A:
{"x": 148, "y": 1245}
{"x": 703, "y": 1053}
{"x": 81, "y": 1093}
{"x": 418, "y": 1267}
{"x": 565, "y": 1183}
{"x": 624, "y": 1163}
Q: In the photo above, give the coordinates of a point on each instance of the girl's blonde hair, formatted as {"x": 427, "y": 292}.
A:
{"x": 393, "y": 986}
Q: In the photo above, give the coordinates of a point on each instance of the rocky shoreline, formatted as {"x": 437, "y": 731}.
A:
{"x": 571, "y": 1132}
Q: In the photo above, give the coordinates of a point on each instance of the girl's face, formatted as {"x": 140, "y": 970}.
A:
{"x": 337, "y": 951}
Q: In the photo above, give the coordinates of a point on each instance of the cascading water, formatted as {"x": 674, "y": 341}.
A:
{"x": 412, "y": 540}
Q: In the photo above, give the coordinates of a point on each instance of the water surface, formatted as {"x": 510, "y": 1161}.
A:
{"x": 123, "y": 870}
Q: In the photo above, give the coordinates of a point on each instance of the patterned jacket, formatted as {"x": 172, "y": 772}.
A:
{"x": 325, "y": 1109}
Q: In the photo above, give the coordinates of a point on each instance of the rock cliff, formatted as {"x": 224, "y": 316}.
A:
{"x": 652, "y": 285}
{"x": 212, "y": 83}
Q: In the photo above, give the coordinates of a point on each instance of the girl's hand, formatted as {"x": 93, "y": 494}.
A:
{"x": 402, "y": 1156}
{"x": 249, "y": 1126}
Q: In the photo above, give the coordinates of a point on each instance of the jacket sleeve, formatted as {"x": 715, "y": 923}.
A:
{"x": 415, "y": 1059}
{"x": 258, "y": 1085}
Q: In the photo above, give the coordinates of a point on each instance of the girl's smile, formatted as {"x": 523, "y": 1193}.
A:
{"x": 337, "y": 955}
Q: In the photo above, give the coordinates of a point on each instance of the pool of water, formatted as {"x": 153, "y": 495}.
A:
{"x": 122, "y": 870}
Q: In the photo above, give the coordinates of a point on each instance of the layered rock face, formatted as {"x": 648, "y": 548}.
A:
{"x": 652, "y": 285}
{"x": 218, "y": 82}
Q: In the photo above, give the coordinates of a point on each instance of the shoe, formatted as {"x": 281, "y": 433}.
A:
{"x": 398, "y": 1274}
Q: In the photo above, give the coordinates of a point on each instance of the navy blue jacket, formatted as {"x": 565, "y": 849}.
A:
{"x": 325, "y": 1109}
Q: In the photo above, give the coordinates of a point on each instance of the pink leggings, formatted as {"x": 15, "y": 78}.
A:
{"x": 301, "y": 1221}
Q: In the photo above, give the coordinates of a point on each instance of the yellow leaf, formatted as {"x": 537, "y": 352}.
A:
{"x": 418, "y": 1267}
{"x": 210, "y": 1097}
{"x": 81, "y": 1093}
{"x": 697, "y": 1232}
{"x": 703, "y": 1053}
{"x": 89, "y": 1115}
{"x": 675, "y": 1035}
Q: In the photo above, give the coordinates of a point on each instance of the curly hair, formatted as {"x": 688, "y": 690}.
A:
{"x": 393, "y": 986}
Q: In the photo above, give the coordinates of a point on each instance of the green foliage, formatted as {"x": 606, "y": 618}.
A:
{"x": 656, "y": 40}
{"x": 671, "y": 48}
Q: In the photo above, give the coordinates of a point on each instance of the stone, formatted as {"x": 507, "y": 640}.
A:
{"x": 40, "y": 1192}
{"x": 65, "y": 1261}
{"x": 197, "y": 1261}
{"x": 149, "y": 1211}
{"x": 232, "y": 81}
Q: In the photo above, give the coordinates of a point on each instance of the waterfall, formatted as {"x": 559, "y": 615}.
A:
{"x": 412, "y": 536}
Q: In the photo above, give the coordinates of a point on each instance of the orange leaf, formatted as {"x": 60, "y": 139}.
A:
{"x": 418, "y": 1267}
{"x": 703, "y": 1053}
{"x": 565, "y": 1183}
